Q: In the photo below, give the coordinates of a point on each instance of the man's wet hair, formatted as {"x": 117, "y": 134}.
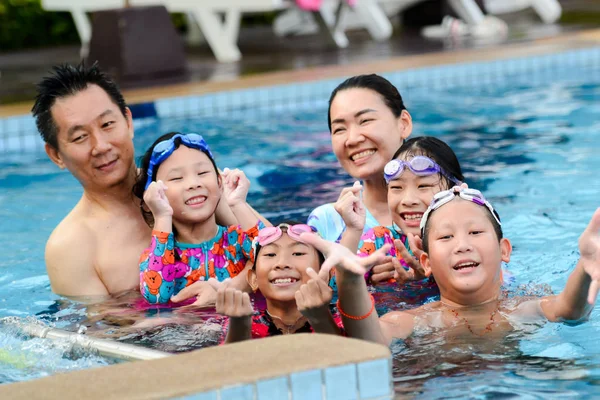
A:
{"x": 67, "y": 80}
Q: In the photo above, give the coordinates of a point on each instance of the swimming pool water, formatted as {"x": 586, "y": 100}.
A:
{"x": 531, "y": 145}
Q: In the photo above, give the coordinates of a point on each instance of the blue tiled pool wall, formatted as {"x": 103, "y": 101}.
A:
{"x": 19, "y": 133}
{"x": 370, "y": 380}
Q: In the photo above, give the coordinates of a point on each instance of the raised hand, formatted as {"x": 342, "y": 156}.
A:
{"x": 235, "y": 186}
{"x": 416, "y": 271}
{"x": 156, "y": 200}
{"x": 233, "y": 303}
{"x": 340, "y": 257}
{"x": 350, "y": 207}
{"x": 314, "y": 296}
{"x": 204, "y": 291}
{"x": 589, "y": 249}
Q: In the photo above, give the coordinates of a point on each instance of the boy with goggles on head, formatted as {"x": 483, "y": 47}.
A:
{"x": 182, "y": 190}
{"x": 287, "y": 271}
{"x": 421, "y": 167}
{"x": 463, "y": 249}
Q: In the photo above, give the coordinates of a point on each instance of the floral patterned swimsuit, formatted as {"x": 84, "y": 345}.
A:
{"x": 168, "y": 266}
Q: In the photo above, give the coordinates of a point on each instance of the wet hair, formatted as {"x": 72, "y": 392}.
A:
{"x": 435, "y": 149}
{"x": 490, "y": 217}
{"x": 289, "y": 222}
{"x": 140, "y": 184}
{"x": 64, "y": 81}
{"x": 390, "y": 94}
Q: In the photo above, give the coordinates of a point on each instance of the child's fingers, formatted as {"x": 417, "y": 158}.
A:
{"x": 311, "y": 273}
{"x": 313, "y": 288}
{"x": 246, "y": 304}
{"x": 229, "y": 297}
{"x": 215, "y": 284}
{"x": 402, "y": 275}
{"x": 220, "y": 301}
{"x": 416, "y": 245}
{"x": 376, "y": 258}
{"x": 299, "y": 298}
{"x": 316, "y": 241}
{"x": 324, "y": 274}
{"x": 592, "y": 228}
{"x": 187, "y": 292}
{"x": 412, "y": 262}
{"x": 593, "y": 291}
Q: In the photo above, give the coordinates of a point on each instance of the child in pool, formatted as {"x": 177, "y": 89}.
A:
{"x": 420, "y": 168}
{"x": 287, "y": 273}
{"x": 463, "y": 248}
{"x": 183, "y": 188}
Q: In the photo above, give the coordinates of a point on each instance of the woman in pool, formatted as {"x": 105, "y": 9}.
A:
{"x": 419, "y": 169}
{"x": 368, "y": 122}
{"x": 287, "y": 273}
{"x": 463, "y": 249}
{"x": 183, "y": 188}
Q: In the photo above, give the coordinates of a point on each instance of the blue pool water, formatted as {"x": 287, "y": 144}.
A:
{"x": 530, "y": 141}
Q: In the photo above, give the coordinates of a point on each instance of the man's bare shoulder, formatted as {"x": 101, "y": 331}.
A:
{"x": 73, "y": 229}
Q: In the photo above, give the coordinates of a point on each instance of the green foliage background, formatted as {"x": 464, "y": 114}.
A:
{"x": 24, "y": 24}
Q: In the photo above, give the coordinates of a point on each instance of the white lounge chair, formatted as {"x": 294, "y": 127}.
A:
{"x": 220, "y": 34}
{"x": 373, "y": 15}
{"x": 548, "y": 10}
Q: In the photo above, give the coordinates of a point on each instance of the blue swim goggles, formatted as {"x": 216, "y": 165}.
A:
{"x": 446, "y": 196}
{"x": 164, "y": 149}
{"x": 418, "y": 165}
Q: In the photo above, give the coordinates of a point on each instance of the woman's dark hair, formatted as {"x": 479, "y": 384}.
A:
{"x": 140, "y": 184}
{"x": 391, "y": 96}
{"x": 495, "y": 224}
{"x": 435, "y": 149}
{"x": 289, "y": 222}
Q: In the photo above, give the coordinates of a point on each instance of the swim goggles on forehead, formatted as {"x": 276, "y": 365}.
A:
{"x": 271, "y": 233}
{"x": 418, "y": 165}
{"x": 164, "y": 149}
{"x": 446, "y": 196}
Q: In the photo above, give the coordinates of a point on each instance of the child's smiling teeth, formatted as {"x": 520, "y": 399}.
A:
{"x": 412, "y": 216}
{"x": 362, "y": 154}
{"x": 196, "y": 200}
{"x": 469, "y": 264}
{"x": 283, "y": 280}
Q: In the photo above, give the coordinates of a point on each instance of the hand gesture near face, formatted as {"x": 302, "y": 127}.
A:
{"x": 234, "y": 303}
{"x": 156, "y": 200}
{"x": 313, "y": 297}
{"x": 235, "y": 186}
{"x": 205, "y": 293}
{"x": 589, "y": 248}
{"x": 351, "y": 208}
{"x": 342, "y": 258}
{"x": 416, "y": 271}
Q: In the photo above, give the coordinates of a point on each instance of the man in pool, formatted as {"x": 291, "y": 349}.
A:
{"x": 88, "y": 129}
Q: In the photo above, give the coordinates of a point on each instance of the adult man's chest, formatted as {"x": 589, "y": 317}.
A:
{"x": 117, "y": 259}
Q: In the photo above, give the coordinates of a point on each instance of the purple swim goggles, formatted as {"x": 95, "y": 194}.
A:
{"x": 164, "y": 149}
{"x": 418, "y": 165}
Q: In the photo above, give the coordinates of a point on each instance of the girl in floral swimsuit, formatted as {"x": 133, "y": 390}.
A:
{"x": 183, "y": 188}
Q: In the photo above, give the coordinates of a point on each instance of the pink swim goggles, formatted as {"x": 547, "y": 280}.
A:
{"x": 271, "y": 233}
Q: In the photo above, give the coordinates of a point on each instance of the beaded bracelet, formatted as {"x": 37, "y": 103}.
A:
{"x": 352, "y": 316}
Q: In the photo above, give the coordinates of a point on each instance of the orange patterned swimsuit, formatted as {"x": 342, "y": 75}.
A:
{"x": 168, "y": 266}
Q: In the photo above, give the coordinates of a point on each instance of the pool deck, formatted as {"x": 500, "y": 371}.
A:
{"x": 260, "y": 68}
